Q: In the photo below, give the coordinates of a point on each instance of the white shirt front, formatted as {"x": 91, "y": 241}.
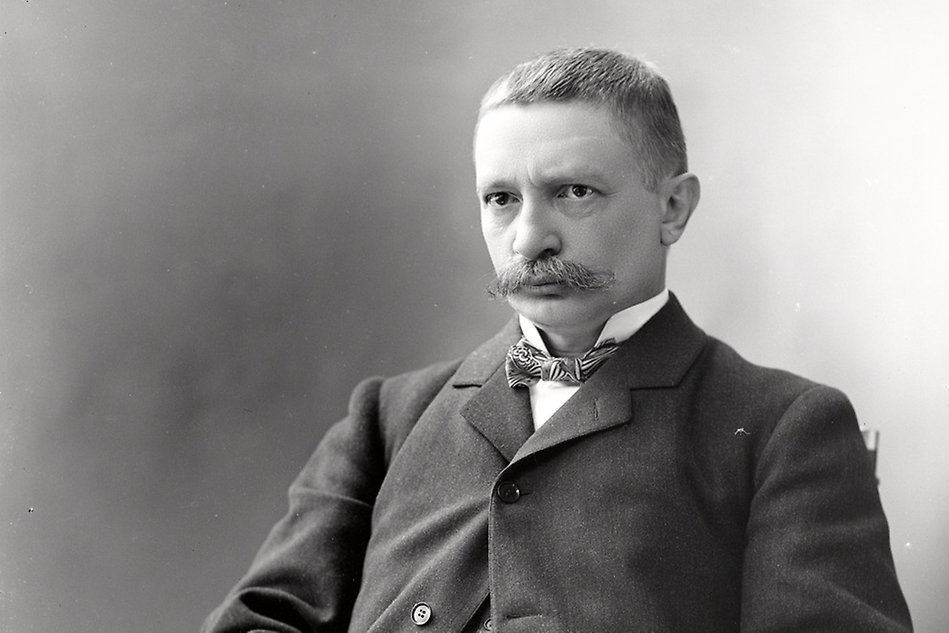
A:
{"x": 546, "y": 395}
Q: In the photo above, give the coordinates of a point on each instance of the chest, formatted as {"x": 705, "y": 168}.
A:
{"x": 626, "y": 508}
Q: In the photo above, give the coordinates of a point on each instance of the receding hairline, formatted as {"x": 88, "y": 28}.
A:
{"x": 620, "y": 127}
{"x": 630, "y": 88}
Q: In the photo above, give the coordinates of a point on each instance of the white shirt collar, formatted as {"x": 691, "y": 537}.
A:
{"x": 618, "y": 327}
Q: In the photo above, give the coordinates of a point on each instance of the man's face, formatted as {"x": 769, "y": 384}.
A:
{"x": 557, "y": 180}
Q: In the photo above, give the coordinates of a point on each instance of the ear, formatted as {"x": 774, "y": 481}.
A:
{"x": 678, "y": 195}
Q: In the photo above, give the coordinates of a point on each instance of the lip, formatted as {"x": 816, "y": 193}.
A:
{"x": 543, "y": 280}
{"x": 543, "y": 287}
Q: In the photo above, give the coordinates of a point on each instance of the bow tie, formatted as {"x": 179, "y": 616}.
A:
{"x": 526, "y": 364}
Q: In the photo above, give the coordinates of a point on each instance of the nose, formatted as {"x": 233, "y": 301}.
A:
{"x": 536, "y": 234}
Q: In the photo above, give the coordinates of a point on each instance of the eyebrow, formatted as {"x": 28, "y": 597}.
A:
{"x": 552, "y": 177}
{"x": 496, "y": 183}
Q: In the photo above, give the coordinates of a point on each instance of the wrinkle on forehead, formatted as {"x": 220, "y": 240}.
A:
{"x": 546, "y": 143}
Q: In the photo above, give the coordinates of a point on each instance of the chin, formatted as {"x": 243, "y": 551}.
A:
{"x": 553, "y": 311}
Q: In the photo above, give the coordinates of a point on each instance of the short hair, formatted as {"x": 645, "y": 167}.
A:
{"x": 631, "y": 89}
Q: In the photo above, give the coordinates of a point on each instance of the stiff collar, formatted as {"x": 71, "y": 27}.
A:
{"x": 663, "y": 349}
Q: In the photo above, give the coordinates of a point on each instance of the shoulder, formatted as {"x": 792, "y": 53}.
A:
{"x": 771, "y": 408}
{"x": 394, "y": 404}
{"x": 734, "y": 393}
{"x": 408, "y": 394}
{"x": 402, "y": 393}
{"x": 736, "y": 380}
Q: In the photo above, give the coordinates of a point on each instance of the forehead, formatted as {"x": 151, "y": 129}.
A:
{"x": 549, "y": 137}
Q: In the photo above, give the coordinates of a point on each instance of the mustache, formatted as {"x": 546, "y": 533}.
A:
{"x": 527, "y": 272}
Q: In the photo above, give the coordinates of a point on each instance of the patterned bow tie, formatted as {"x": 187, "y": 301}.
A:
{"x": 526, "y": 364}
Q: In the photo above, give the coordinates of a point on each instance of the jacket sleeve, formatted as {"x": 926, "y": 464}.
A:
{"x": 307, "y": 573}
{"x": 817, "y": 554}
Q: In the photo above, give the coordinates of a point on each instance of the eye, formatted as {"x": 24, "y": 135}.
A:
{"x": 499, "y": 199}
{"x": 576, "y": 192}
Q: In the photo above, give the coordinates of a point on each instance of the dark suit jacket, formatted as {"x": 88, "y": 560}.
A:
{"x": 680, "y": 489}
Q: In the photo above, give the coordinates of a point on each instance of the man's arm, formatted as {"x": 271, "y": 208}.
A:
{"x": 817, "y": 554}
{"x": 307, "y": 573}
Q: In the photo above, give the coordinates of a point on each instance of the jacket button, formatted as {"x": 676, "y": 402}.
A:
{"x": 508, "y": 492}
{"x": 421, "y": 614}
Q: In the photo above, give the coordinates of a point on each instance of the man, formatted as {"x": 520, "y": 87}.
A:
{"x": 602, "y": 464}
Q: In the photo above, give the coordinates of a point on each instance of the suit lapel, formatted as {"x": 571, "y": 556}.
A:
{"x": 663, "y": 350}
{"x": 501, "y": 414}
{"x": 657, "y": 356}
{"x": 601, "y": 402}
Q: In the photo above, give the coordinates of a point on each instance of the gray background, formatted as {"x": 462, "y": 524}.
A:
{"x": 215, "y": 218}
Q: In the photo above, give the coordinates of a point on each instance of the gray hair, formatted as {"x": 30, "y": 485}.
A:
{"x": 632, "y": 90}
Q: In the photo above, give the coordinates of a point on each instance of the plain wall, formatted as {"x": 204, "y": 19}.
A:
{"x": 216, "y": 218}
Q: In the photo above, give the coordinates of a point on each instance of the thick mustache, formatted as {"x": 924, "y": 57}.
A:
{"x": 549, "y": 270}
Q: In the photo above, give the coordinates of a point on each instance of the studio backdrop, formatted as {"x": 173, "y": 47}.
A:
{"x": 217, "y": 217}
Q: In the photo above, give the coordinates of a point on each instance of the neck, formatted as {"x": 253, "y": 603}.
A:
{"x": 570, "y": 344}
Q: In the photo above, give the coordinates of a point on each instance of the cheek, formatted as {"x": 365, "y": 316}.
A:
{"x": 497, "y": 244}
{"x": 489, "y": 228}
{"x": 628, "y": 246}
{"x": 637, "y": 233}
{"x": 605, "y": 245}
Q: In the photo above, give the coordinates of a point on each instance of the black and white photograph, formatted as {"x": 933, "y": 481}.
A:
{"x": 456, "y": 317}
